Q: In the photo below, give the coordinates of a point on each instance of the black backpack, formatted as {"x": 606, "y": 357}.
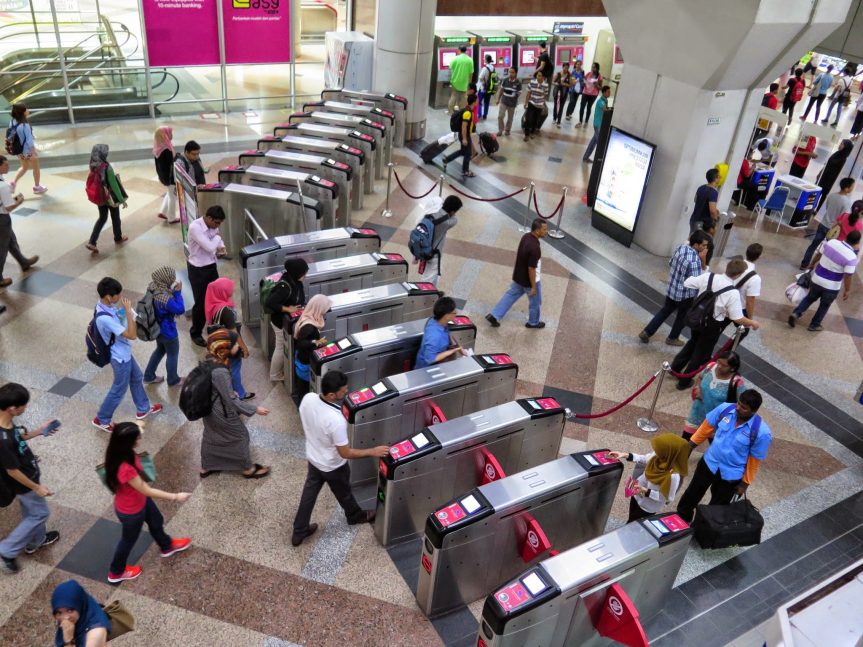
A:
{"x": 14, "y": 145}
{"x": 455, "y": 120}
{"x": 98, "y": 350}
{"x": 700, "y": 314}
{"x": 196, "y": 394}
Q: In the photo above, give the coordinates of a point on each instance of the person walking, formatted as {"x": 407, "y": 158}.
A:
{"x": 444, "y": 218}
{"x": 534, "y": 105}
{"x": 833, "y": 268}
{"x": 29, "y": 155}
{"x": 803, "y": 154}
{"x": 793, "y": 94}
{"x": 834, "y": 206}
{"x": 590, "y": 93}
{"x": 526, "y": 277}
{"x": 719, "y": 382}
{"x": 832, "y": 168}
{"x": 544, "y": 64}
{"x": 164, "y": 155}
{"x": 839, "y": 98}
{"x": 307, "y": 338}
{"x": 327, "y": 454}
{"x": 22, "y": 476}
{"x": 437, "y": 345}
{"x": 741, "y": 440}
{"x": 8, "y": 240}
{"x": 487, "y": 86}
{"x": 205, "y": 245}
{"x": 109, "y": 195}
{"x": 191, "y": 161}
{"x": 705, "y": 212}
{"x": 225, "y": 443}
{"x": 286, "y": 298}
{"x": 561, "y": 84}
{"x": 133, "y": 503}
{"x": 598, "y": 112}
{"x": 575, "y": 90}
{"x": 221, "y": 312}
{"x": 688, "y": 260}
{"x": 167, "y": 294}
{"x": 466, "y": 148}
{"x": 820, "y": 87}
{"x": 507, "y": 99}
{"x": 79, "y": 619}
{"x": 461, "y": 73}
{"x": 118, "y": 328}
{"x": 852, "y": 221}
{"x": 857, "y": 126}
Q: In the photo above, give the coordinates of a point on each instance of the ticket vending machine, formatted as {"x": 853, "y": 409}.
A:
{"x": 487, "y": 535}
{"x": 367, "y": 357}
{"x": 527, "y": 42}
{"x": 598, "y": 593}
{"x": 566, "y": 48}
{"x": 429, "y": 468}
{"x": 446, "y": 44}
{"x": 386, "y": 411}
{"x": 385, "y": 100}
{"x": 499, "y": 45}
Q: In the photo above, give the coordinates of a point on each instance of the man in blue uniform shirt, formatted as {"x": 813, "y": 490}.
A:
{"x": 436, "y": 345}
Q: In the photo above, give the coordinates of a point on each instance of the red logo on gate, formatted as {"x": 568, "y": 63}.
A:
{"x": 533, "y": 539}
{"x": 490, "y": 473}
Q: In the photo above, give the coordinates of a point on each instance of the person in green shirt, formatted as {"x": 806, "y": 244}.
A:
{"x": 601, "y": 107}
{"x": 461, "y": 73}
{"x": 112, "y": 196}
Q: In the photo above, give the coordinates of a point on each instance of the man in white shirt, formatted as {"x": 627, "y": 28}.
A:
{"x": 205, "y": 245}
{"x": 727, "y": 305}
{"x": 327, "y": 453}
{"x": 834, "y": 206}
{"x": 8, "y": 241}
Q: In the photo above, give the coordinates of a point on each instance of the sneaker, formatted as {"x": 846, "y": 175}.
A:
{"x": 834, "y": 124}
{"x": 10, "y": 564}
{"x": 817, "y": 328}
{"x": 156, "y": 408}
{"x": 538, "y": 324}
{"x": 569, "y": 117}
{"x": 644, "y": 337}
{"x": 491, "y": 319}
{"x": 39, "y": 189}
{"x": 823, "y": 121}
{"x": 156, "y": 380}
{"x": 104, "y": 426}
{"x": 792, "y": 320}
{"x": 296, "y": 540}
{"x": 50, "y": 537}
{"x": 674, "y": 342}
{"x": 177, "y": 546}
{"x": 130, "y": 573}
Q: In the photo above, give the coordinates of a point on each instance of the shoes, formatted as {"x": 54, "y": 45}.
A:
{"x": 50, "y": 537}
{"x": 163, "y": 216}
{"x": 156, "y": 380}
{"x": 39, "y": 189}
{"x": 644, "y": 337}
{"x": 177, "y": 546}
{"x": 93, "y": 249}
{"x": 506, "y": 134}
{"x": 823, "y": 121}
{"x": 526, "y": 137}
{"x": 817, "y": 328}
{"x": 538, "y": 324}
{"x": 130, "y": 573}
{"x": 5, "y": 283}
{"x": 156, "y": 408}
{"x": 491, "y": 319}
{"x": 199, "y": 341}
{"x": 248, "y": 396}
{"x": 674, "y": 342}
{"x": 792, "y": 320}
{"x": 368, "y": 517}
{"x": 834, "y": 124}
{"x": 10, "y": 564}
{"x": 104, "y": 426}
{"x": 569, "y": 117}
{"x": 121, "y": 240}
{"x": 30, "y": 263}
{"x": 556, "y": 125}
{"x": 682, "y": 385}
{"x": 296, "y": 540}
{"x": 499, "y": 133}
{"x": 587, "y": 160}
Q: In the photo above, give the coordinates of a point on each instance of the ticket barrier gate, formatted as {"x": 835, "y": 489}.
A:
{"x": 276, "y": 212}
{"x": 367, "y": 110}
{"x": 403, "y": 404}
{"x": 367, "y": 357}
{"x": 430, "y": 468}
{"x": 388, "y": 101}
{"x": 595, "y": 594}
{"x": 486, "y": 536}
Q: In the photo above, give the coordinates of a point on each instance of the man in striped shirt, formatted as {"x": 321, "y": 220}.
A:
{"x": 834, "y": 264}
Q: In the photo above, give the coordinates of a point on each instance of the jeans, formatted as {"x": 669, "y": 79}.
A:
{"x": 697, "y": 350}
{"x": 132, "y": 524}
{"x": 665, "y": 311}
{"x": 339, "y": 482}
{"x": 512, "y": 295}
{"x": 721, "y": 491}
{"x": 591, "y": 145}
{"x": 169, "y": 347}
{"x": 505, "y": 112}
{"x": 236, "y": 365}
{"x": 199, "y": 279}
{"x": 838, "y": 104}
{"x": 103, "y": 217}
{"x": 817, "y": 239}
{"x": 817, "y": 293}
{"x": 465, "y": 151}
{"x": 9, "y": 243}
{"x": 30, "y": 531}
{"x": 573, "y": 99}
{"x": 817, "y": 101}
{"x": 558, "y": 104}
{"x": 127, "y": 375}
{"x": 584, "y": 109}
{"x": 484, "y": 99}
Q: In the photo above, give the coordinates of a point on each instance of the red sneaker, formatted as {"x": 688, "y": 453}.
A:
{"x": 177, "y": 546}
{"x": 130, "y": 573}
{"x": 104, "y": 426}
{"x": 156, "y": 408}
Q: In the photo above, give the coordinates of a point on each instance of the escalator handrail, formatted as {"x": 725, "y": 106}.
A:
{"x": 96, "y": 91}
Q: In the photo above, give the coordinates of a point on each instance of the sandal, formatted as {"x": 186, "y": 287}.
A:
{"x": 163, "y": 216}
{"x": 258, "y": 472}
{"x": 469, "y": 174}
{"x": 121, "y": 240}
{"x": 205, "y": 473}
{"x": 93, "y": 249}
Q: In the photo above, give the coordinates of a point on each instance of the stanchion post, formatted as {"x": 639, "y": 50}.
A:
{"x": 387, "y": 212}
{"x": 557, "y": 233}
{"x": 526, "y": 226}
{"x": 738, "y": 336}
{"x": 648, "y": 424}
{"x": 440, "y": 188}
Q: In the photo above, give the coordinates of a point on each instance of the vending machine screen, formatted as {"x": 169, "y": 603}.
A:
{"x": 528, "y": 57}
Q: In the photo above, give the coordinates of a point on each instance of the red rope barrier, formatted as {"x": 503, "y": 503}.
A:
{"x": 686, "y": 376}
{"x": 410, "y": 195}
{"x": 477, "y": 198}
{"x": 553, "y": 213}
{"x": 617, "y": 407}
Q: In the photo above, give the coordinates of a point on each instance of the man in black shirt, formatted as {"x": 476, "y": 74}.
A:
{"x": 543, "y": 63}
{"x": 706, "y": 213}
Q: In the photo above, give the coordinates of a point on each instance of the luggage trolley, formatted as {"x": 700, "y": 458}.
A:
{"x": 487, "y": 535}
{"x": 592, "y": 594}
{"x": 388, "y": 101}
{"x": 431, "y": 467}
{"x": 401, "y": 404}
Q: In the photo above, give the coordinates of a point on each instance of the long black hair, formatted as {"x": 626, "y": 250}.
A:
{"x": 121, "y": 449}
{"x": 854, "y": 216}
{"x": 733, "y": 360}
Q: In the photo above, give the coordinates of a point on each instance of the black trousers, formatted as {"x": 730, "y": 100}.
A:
{"x": 9, "y": 243}
{"x": 573, "y": 99}
{"x": 635, "y": 511}
{"x": 721, "y": 491}
{"x": 670, "y": 305}
{"x": 816, "y": 101}
{"x": 104, "y": 209}
{"x": 339, "y": 481}
{"x": 465, "y": 151}
{"x": 199, "y": 279}
{"x": 788, "y": 107}
{"x": 796, "y": 170}
{"x": 698, "y": 349}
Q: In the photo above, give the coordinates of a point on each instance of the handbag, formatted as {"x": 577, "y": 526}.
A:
{"x": 122, "y": 621}
{"x": 738, "y": 523}
{"x": 804, "y": 280}
{"x": 148, "y": 469}
{"x": 833, "y": 232}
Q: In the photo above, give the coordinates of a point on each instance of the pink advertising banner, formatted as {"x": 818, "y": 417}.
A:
{"x": 181, "y": 32}
{"x": 257, "y": 31}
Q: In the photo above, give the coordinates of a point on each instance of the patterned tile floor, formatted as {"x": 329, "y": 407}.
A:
{"x": 242, "y": 583}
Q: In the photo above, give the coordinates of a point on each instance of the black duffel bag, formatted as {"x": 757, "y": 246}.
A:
{"x": 737, "y": 524}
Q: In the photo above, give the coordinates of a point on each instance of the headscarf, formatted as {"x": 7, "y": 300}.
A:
{"x": 314, "y": 313}
{"x": 162, "y": 140}
{"x": 295, "y": 269}
{"x": 71, "y": 595}
{"x": 671, "y": 455}
{"x": 98, "y": 157}
{"x": 218, "y": 296}
{"x": 838, "y": 158}
{"x": 164, "y": 279}
{"x": 220, "y": 342}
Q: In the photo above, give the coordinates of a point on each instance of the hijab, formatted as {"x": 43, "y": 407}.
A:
{"x": 841, "y": 154}
{"x": 164, "y": 279}
{"x": 671, "y": 454}
{"x": 218, "y": 296}
{"x": 220, "y": 342}
{"x": 71, "y": 595}
{"x": 314, "y": 313}
{"x": 162, "y": 141}
{"x": 295, "y": 269}
{"x": 98, "y": 157}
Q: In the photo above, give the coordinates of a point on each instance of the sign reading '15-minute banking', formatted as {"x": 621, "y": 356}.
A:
{"x": 185, "y": 32}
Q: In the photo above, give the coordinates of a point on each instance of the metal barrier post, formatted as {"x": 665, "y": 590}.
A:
{"x": 526, "y": 226}
{"x": 723, "y": 231}
{"x": 648, "y": 424}
{"x": 440, "y": 189}
{"x": 263, "y": 235}
{"x": 557, "y": 233}
{"x": 387, "y": 212}
{"x": 302, "y": 206}
{"x": 738, "y": 337}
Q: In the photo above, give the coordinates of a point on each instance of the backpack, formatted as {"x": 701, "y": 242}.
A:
{"x": 98, "y": 351}
{"x": 700, "y": 314}
{"x": 147, "y": 324}
{"x": 422, "y": 236}
{"x": 96, "y": 192}
{"x": 14, "y": 145}
{"x": 455, "y": 120}
{"x": 845, "y": 95}
{"x": 745, "y": 278}
{"x": 488, "y": 143}
{"x": 491, "y": 84}
{"x": 196, "y": 394}
{"x": 797, "y": 91}
{"x": 266, "y": 287}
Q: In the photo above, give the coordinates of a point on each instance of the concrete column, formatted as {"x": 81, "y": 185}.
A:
{"x": 404, "y": 40}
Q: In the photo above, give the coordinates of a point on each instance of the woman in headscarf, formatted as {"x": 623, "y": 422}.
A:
{"x": 286, "y": 298}
{"x": 225, "y": 443}
{"x": 164, "y": 155}
{"x": 167, "y": 294}
{"x": 106, "y": 192}
{"x": 832, "y": 168}
{"x": 663, "y": 470}
{"x": 307, "y": 337}
{"x": 220, "y": 313}
{"x": 80, "y": 620}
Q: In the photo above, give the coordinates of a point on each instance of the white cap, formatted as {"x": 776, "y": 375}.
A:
{"x": 431, "y": 205}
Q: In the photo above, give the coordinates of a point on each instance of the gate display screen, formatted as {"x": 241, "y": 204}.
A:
{"x": 625, "y": 171}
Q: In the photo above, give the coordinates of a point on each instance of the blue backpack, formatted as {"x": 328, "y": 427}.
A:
{"x": 420, "y": 242}
{"x": 98, "y": 352}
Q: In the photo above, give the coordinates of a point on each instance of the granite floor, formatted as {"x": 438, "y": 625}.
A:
{"x": 242, "y": 583}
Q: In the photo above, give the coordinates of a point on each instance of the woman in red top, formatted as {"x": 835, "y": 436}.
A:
{"x": 849, "y": 222}
{"x": 133, "y": 503}
{"x": 802, "y": 155}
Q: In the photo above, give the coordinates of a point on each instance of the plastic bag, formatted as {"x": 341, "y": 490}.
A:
{"x": 795, "y": 293}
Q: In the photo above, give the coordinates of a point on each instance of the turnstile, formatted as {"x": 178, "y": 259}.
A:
{"x": 366, "y": 357}
{"x": 485, "y": 536}
{"x": 360, "y": 111}
{"x": 431, "y": 467}
{"x": 325, "y": 191}
{"x": 401, "y": 404}
{"x": 276, "y": 212}
{"x": 388, "y": 101}
{"x": 592, "y": 594}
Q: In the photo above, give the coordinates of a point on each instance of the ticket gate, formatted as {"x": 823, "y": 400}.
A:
{"x": 499, "y": 45}
{"x": 430, "y": 468}
{"x": 387, "y": 101}
{"x": 275, "y": 212}
{"x": 527, "y": 43}
{"x": 595, "y": 594}
{"x": 402, "y": 404}
{"x": 325, "y": 191}
{"x": 364, "y": 110}
{"x": 446, "y": 44}
{"x": 367, "y": 357}
{"x": 486, "y": 536}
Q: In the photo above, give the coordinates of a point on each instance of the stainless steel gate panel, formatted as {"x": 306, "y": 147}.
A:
{"x": 381, "y": 132}
{"x": 392, "y": 102}
{"x": 365, "y": 110}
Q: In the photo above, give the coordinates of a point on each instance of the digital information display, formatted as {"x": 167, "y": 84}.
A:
{"x": 625, "y": 171}
{"x": 528, "y": 57}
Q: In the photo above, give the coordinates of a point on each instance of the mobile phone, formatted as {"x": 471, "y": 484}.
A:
{"x": 51, "y": 426}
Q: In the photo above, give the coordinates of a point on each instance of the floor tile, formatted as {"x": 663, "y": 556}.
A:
{"x": 67, "y": 387}
{"x": 42, "y": 283}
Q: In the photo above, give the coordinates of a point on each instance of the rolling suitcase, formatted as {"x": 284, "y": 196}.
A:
{"x": 431, "y": 151}
{"x": 719, "y": 526}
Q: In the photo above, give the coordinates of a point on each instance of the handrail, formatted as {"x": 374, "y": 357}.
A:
{"x": 165, "y": 74}
{"x": 248, "y": 215}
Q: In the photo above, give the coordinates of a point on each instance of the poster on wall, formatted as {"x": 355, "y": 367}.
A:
{"x": 181, "y": 32}
{"x": 625, "y": 171}
{"x": 257, "y": 31}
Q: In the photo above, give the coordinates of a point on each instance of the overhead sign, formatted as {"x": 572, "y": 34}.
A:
{"x": 568, "y": 28}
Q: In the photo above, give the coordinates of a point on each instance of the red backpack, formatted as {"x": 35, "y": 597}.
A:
{"x": 96, "y": 192}
{"x": 797, "y": 91}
